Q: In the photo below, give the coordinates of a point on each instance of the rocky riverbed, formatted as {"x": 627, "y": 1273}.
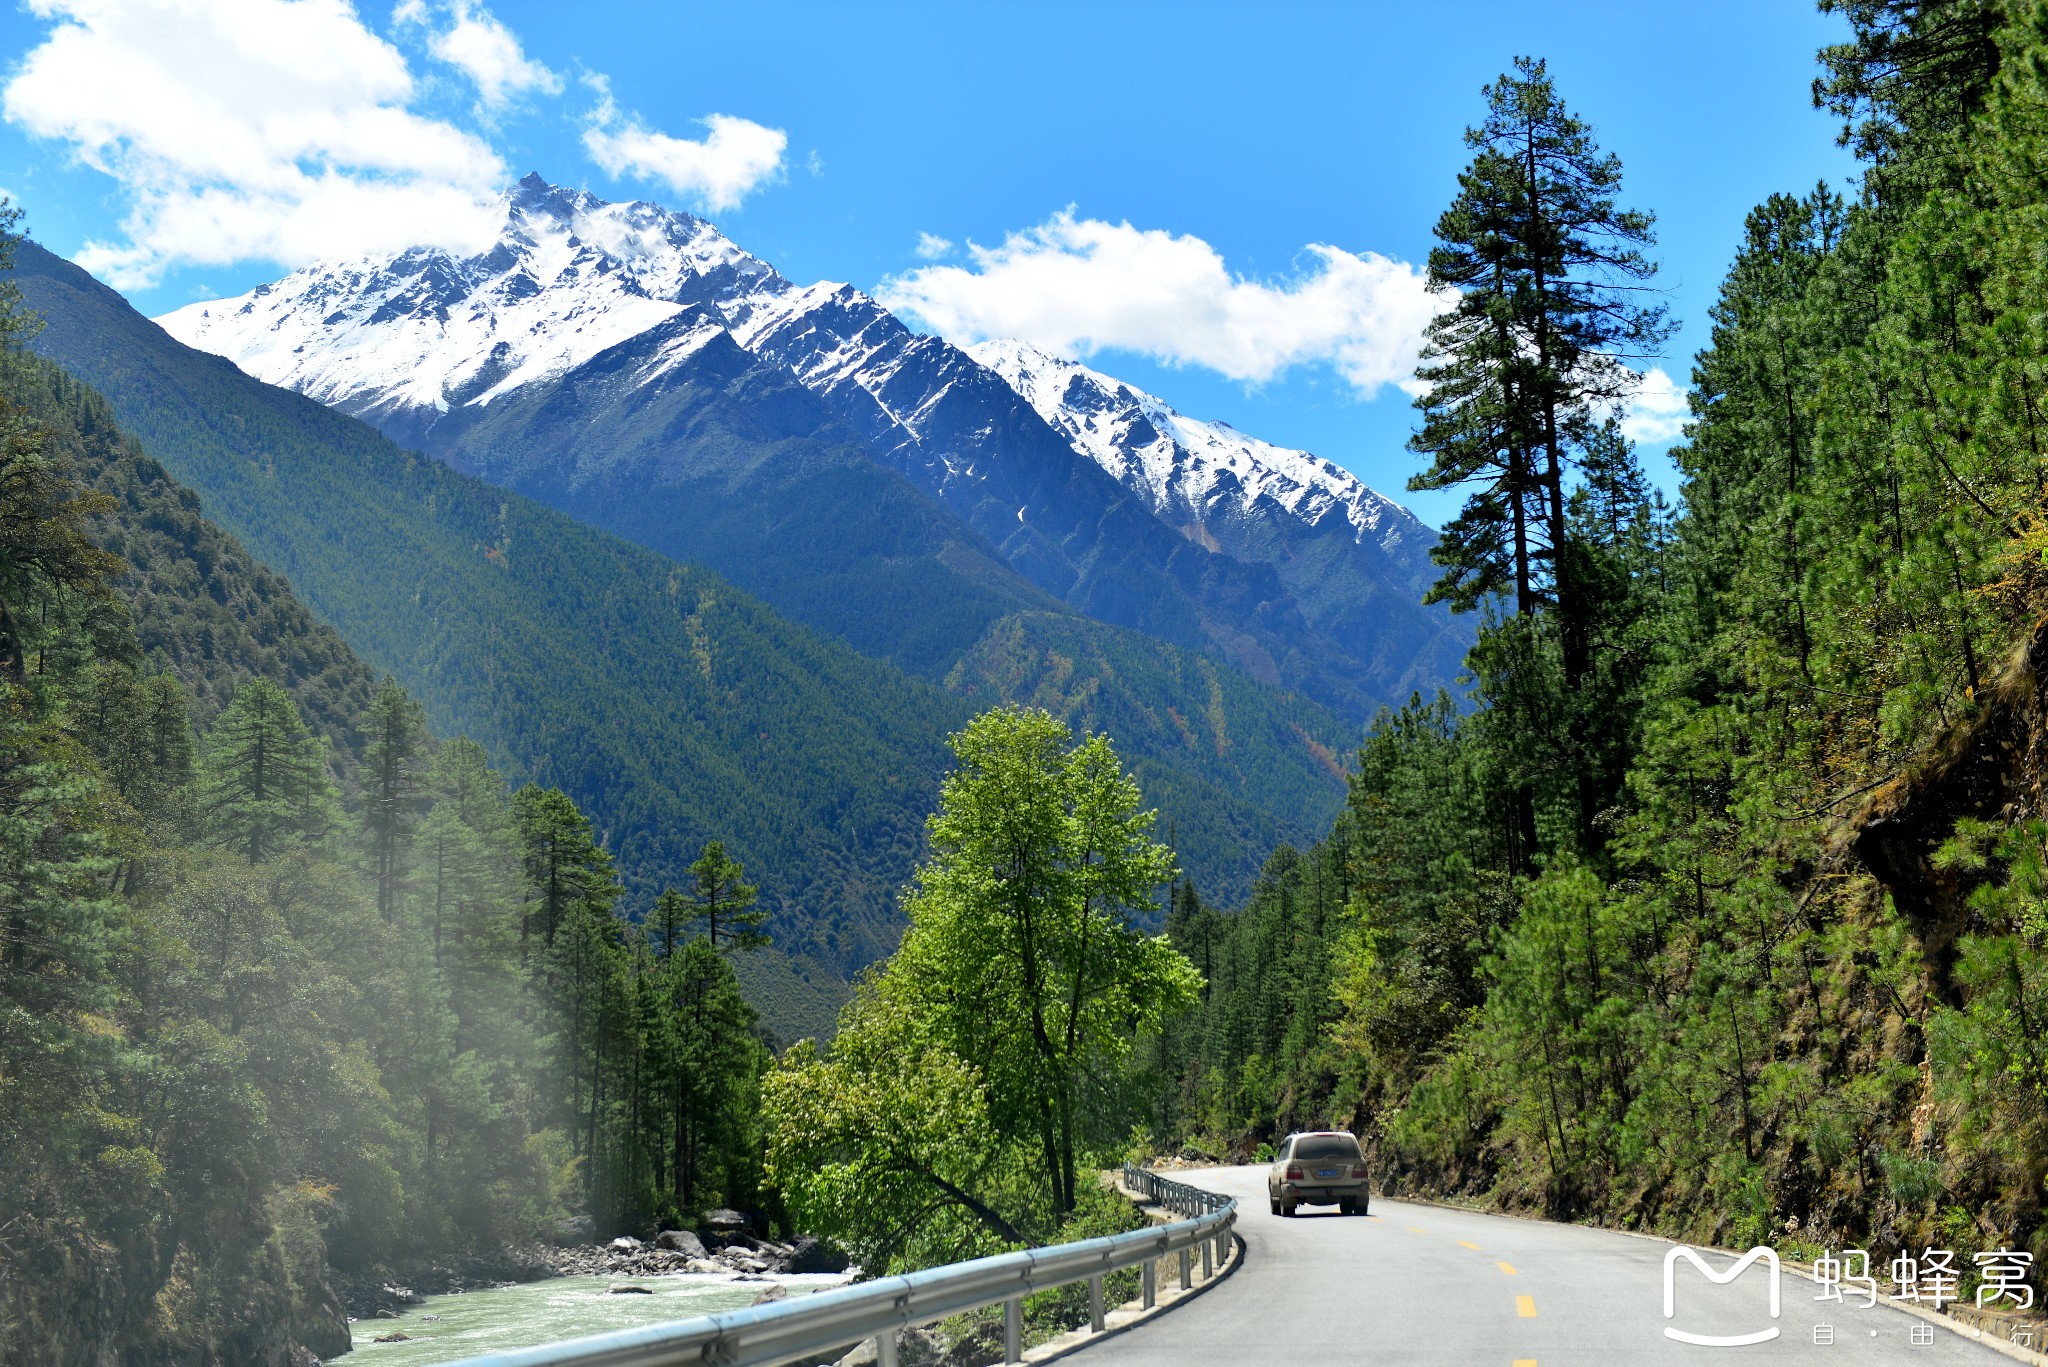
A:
{"x": 442, "y": 1328}
{"x": 726, "y": 1249}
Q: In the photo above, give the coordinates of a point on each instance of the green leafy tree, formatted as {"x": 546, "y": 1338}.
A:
{"x": 1023, "y": 944}
{"x": 990, "y": 1054}
{"x": 886, "y": 1143}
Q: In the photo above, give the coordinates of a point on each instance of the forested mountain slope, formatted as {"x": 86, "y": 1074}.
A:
{"x": 283, "y": 1004}
{"x": 671, "y": 706}
{"x": 728, "y": 461}
{"x": 556, "y": 645}
{"x": 202, "y": 608}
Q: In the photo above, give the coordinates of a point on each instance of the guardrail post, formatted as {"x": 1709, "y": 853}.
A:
{"x": 1151, "y": 1282}
{"x": 1095, "y": 1319}
{"x": 885, "y": 1348}
{"x": 1187, "y": 1268}
{"x": 1208, "y": 1267}
{"x": 1013, "y": 1329}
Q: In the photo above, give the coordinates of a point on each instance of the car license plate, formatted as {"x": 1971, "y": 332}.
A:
{"x": 1326, "y": 1172}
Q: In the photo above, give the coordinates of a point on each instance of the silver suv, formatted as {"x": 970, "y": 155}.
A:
{"x": 1321, "y": 1168}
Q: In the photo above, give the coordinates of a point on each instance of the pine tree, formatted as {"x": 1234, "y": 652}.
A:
{"x": 1549, "y": 273}
{"x": 469, "y": 887}
{"x": 265, "y": 782}
{"x": 394, "y": 776}
{"x": 51, "y": 572}
{"x": 1476, "y": 423}
{"x": 564, "y": 864}
{"x": 723, "y": 900}
{"x": 668, "y": 923}
{"x": 713, "y": 1061}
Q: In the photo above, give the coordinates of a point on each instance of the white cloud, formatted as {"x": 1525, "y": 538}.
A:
{"x": 734, "y": 159}
{"x": 487, "y": 52}
{"x": 1657, "y": 412}
{"x": 930, "y": 246}
{"x": 1076, "y": 285}
{"x": 249, "y": 129}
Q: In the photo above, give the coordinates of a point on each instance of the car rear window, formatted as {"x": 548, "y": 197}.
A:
{"x": 1315, "y": 1146}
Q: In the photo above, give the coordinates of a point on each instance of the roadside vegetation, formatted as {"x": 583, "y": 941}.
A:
{"x": 980, "y": 1078}
{"x": 1716, "y": 905}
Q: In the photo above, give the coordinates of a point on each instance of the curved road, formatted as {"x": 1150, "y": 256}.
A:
{"x": 1422, "y": 1285}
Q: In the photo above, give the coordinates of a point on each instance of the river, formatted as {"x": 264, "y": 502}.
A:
{"x": 448, "y": 1327}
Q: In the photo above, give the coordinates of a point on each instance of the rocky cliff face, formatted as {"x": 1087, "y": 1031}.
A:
{"x": 1991, "y": 769}
{"x": 162, "y": 1296}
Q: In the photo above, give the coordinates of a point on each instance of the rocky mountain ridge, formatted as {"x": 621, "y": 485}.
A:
{"x": 425, "y": 345}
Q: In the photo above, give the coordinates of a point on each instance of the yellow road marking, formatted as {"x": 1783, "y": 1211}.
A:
{"x": 1525, "y": 1362}
{"x": 1525, "y": 1306}
{"x": 1508, "y": 1268}
{"x": 1417, "y": 1229}
{"x": 1463, "y": 1244}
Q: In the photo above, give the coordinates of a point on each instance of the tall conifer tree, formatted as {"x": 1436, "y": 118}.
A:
{"x": 394, "y": 777}
{"x": 266, "y": 778}
{"x": 724, "y": 900}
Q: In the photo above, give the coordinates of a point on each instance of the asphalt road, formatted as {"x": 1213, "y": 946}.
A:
{"x": 1419, "y": 1285}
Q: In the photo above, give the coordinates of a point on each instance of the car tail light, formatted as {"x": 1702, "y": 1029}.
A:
{"x": 1358, "y": 1171}
{"x": 1293, "y": 1173}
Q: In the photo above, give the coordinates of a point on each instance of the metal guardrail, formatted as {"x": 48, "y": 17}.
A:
{"x": 793, "y": 1330}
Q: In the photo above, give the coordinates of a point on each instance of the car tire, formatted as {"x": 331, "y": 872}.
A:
{"x": 1275, "y": 1205}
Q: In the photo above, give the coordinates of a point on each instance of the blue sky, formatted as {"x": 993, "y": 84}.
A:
{"x": 1258, "y": 130}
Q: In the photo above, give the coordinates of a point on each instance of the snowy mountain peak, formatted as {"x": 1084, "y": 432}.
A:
{"x": 569, "y": 276}
{"x": 600, "y": 314}
{"x": 404, "y": 338}
{"x": 1189, "y": 470}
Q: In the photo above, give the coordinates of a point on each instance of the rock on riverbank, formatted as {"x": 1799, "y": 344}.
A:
{"x": 680, "y": 1251}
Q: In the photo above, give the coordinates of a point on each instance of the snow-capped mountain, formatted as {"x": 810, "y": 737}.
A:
{"x": 1193, "y": 473}
{"x": 424, "y": 331}
{"x": 1352, "y": 559}
{"x": 582, "y": 301}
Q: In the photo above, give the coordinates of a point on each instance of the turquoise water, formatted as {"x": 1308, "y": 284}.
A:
{"x": 449, "y": 1327}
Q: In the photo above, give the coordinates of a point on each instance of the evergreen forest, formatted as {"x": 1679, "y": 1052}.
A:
{"x": 295, "y": 990}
